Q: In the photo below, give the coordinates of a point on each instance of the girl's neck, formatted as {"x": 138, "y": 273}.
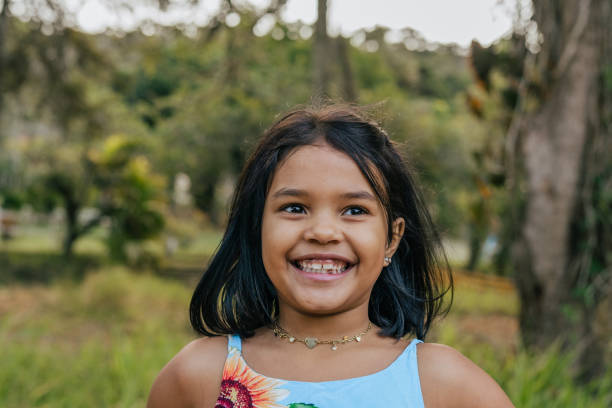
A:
{"x": 347, "y": 323}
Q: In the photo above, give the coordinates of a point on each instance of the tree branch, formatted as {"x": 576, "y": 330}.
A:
{"x": 573, "y": 42}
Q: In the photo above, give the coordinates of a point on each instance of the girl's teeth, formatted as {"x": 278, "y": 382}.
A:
{"x": 328, "y": 268}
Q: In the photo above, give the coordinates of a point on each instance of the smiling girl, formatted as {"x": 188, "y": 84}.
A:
{"x": 325, "y": 284}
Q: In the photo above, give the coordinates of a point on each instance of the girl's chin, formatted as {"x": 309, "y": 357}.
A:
{"x": 320, "y": 309}
{"x": 320, "y": 304}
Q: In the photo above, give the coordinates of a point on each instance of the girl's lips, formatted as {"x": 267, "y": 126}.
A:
{"x": 323, "y": 257}
{"x": 322, "y": 277}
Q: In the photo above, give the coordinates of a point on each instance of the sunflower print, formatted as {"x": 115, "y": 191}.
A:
{"x": 241, "y": 387}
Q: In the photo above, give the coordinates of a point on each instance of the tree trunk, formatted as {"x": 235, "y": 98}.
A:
{"x": 553, "y": 147}
{"x": 349, "y": 92}
{"x": 321, "y": 58}
{"x": 71, "y": 211}
{"x": 476, "y": 242}
{"x": 3, "y": 24}
{"x": 552, "y": 150}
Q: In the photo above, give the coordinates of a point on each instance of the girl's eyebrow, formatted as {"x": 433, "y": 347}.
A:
{"x": 362, "y": 195}
{"x": 289, "y": 192}
{"x": 294, "y": 192}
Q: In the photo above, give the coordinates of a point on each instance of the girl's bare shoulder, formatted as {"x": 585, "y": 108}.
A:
{"x": 193, "y": 377}
{"x": 449, "y": 379}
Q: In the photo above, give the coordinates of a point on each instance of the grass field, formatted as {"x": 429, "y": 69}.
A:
{"x": 74, "y": 338}
{"x": 100, "y": 343}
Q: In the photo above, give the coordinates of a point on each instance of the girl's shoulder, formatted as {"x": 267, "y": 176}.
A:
{"x": 449, "y": 379}
{"x": 193, "y": 377}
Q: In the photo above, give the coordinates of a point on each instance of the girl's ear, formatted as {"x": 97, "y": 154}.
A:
{"x": 398, "y": 233}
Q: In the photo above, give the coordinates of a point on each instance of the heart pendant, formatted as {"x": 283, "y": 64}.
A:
{"x": 311, "y": 342}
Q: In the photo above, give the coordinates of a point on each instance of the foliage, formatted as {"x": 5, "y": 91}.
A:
{"x": 114, "y": 179}
{"x": 483, "y": 325}
{"x": 11, "y": 183}
{"x": 546, "y": 378}
{"x": 97, "y": 344}
{"x": 201, "y": 101}
{"x": 127, "y": 190}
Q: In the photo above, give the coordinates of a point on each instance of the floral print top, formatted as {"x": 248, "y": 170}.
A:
{"x": 395, "y": 386}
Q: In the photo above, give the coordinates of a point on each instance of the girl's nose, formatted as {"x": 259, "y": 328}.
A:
{"x": 323, "y": 230}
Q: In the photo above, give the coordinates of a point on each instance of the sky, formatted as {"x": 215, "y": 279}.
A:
{"x": 443, "y": 21}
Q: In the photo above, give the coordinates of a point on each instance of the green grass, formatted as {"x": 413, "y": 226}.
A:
{"x": 204, "y": 243}
{"x": 102, "y": 341}
{"x": 484, "y": 296}
{"x": 532, "y": 380}
{"x": 44, "y": 267}
{"x": 93, "y": 374}
{"x": 34, "y": 239}
{"x": 194, "y": 241}
{"x": 482, "y": 325}
{"x": 98, "y": 344}
{"x": 34, "y": 253}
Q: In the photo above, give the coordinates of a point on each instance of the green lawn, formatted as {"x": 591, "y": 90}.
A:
{"x": 96, "y": 344}
{"x": 34, "y": 253}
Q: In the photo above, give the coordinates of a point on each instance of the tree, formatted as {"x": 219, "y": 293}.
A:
{"x": 349, "y": 91}
{"x": 113, "y": 181}
{"x": 497, "y": 71}
{"x": 559, "y": 162}
{"x": 3, "y": 69}
{"x": 128, "y": 192}
{"x": 321, "y": 52}
{"x": 332, "y": 71}
{"x": 56, "y": 78}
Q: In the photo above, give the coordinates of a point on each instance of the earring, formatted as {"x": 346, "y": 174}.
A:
{"x": 387, "y": 260}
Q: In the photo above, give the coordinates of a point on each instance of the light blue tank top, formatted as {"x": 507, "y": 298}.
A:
{"x": 397, "y": 385}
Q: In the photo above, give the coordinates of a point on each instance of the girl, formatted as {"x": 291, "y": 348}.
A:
{"x": 328, "y": 266}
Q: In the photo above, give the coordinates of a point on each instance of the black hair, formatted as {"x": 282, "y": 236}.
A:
{"x": 235, "y": 295}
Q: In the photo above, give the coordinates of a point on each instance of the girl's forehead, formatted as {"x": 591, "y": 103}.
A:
{"x": 302, "y": 154}
{"x": 321, "y": 165}
{"x": 317, "y": 160}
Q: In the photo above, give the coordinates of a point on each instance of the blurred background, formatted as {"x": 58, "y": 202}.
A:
{"x": 124, "y": 125}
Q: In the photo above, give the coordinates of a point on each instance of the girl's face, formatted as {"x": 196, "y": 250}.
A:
{"x": 324, "y": 232}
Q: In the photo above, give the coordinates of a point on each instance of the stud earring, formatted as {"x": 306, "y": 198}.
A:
{"x": 387, "y": 260}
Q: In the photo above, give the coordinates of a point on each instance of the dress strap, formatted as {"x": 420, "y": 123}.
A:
{"x": 414, "y": 342}
{"x": 234, "y": 341}
{"x": 415, "y": 382}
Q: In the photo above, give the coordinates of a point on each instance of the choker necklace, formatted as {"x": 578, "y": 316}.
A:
{"x": 311, "y": 342}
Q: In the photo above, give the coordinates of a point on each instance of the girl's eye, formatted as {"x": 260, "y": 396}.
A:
{"x": 355, "y": 211}
{"x": 293, "y": 209}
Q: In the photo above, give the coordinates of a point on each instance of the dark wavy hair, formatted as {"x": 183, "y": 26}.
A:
{"x": 235, "y": 295}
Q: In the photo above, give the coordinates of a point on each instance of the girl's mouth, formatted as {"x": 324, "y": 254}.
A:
{"x": 321, "y": 266}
